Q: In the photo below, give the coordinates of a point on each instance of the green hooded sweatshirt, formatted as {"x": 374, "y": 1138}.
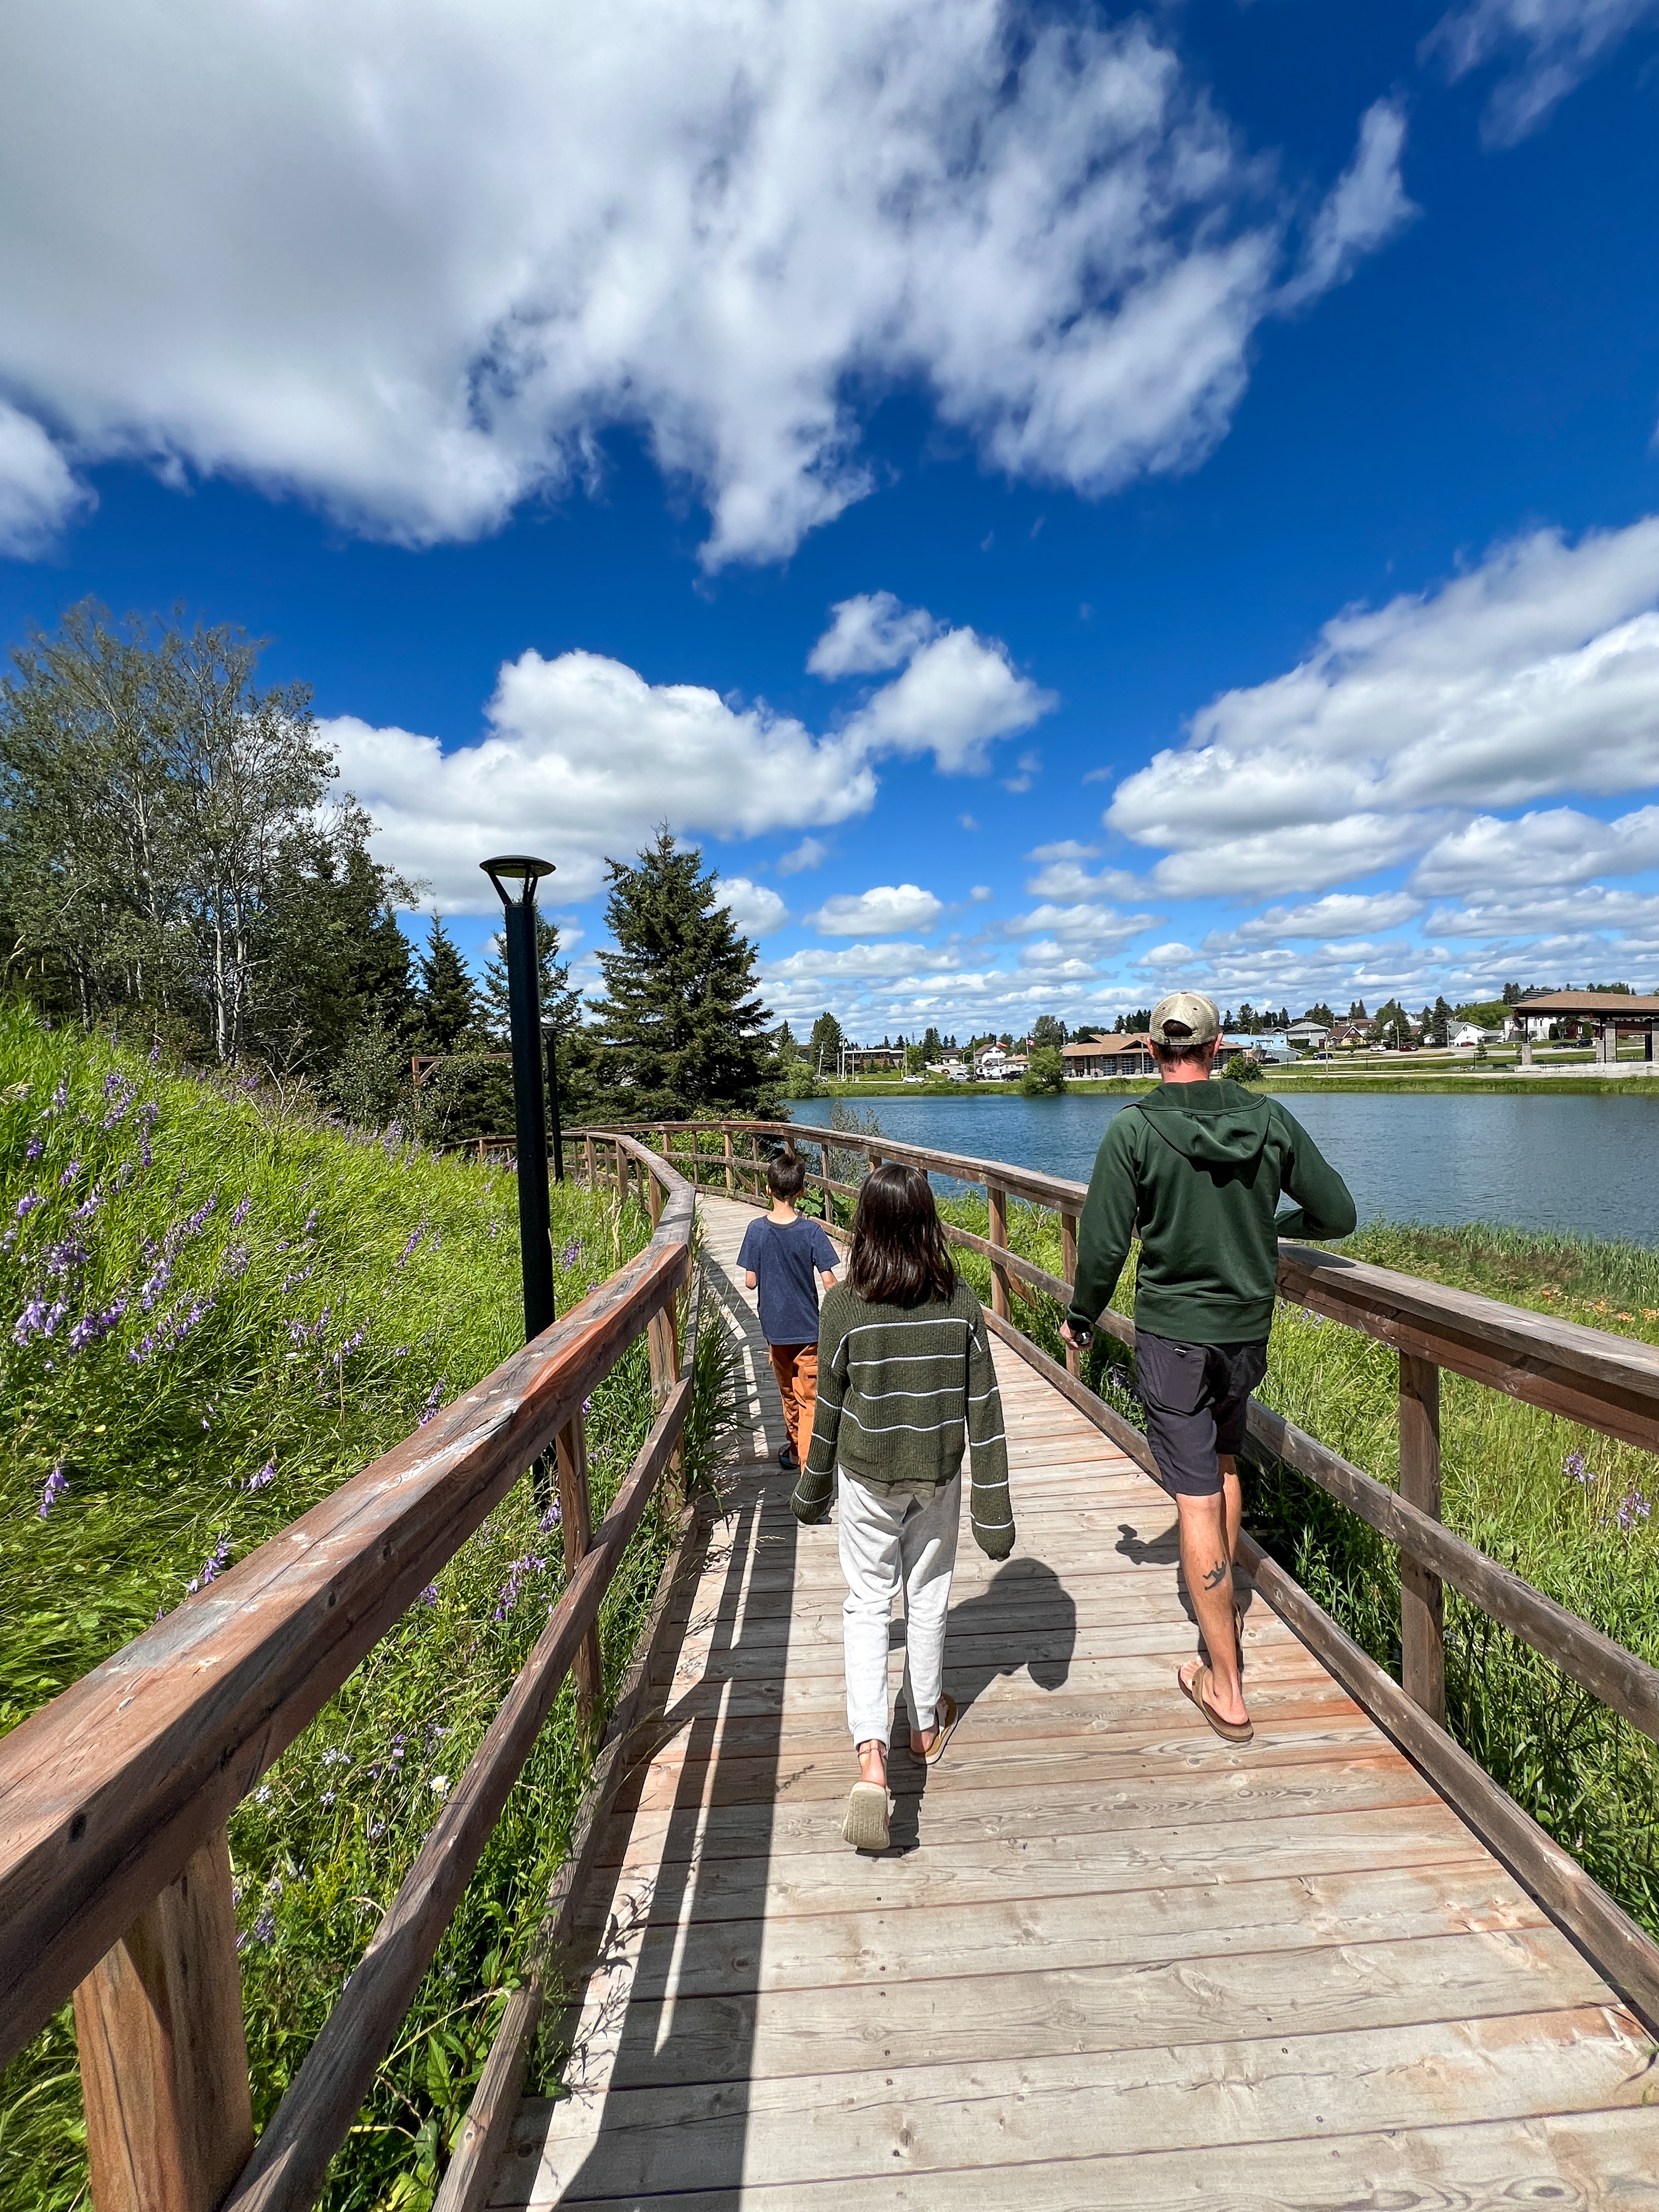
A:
{"x": 1197, "y": 1169}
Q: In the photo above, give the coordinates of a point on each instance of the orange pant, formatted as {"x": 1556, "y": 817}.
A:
{"x": 796, "y": 1366}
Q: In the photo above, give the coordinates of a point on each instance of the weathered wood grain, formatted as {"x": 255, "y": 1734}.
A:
{"x": 287, "y": 2169}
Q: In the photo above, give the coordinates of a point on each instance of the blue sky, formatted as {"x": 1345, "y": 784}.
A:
{"x": 1058, "y": 502}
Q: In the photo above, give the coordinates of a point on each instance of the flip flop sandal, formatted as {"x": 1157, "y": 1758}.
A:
{"x": 1229, "y": 1731}
{"x": 945, "y": 1720}
{"x": 868, "y": 1811}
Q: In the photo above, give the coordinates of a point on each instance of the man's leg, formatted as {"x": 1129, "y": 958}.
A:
{"x": 1233, "y": 1498}
{"x": 1206, "y": 1562}
{"x": 869, "y": 1536}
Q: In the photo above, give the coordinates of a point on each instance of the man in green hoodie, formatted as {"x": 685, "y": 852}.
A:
{"x": 1197, "y": 1167}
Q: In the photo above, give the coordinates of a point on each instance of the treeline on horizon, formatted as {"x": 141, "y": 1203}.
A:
{"x": 178, "y": 865}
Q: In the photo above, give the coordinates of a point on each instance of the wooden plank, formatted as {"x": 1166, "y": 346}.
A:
{"x": 287, "y": 2170}
{"x": 163, "y": 2056}
{"x": 988, "y": 1938}
{"x": 494, "y": 2102}
{"x": 956, "y": 2117}
{"x": 107, "y": 1792}
{"x": 1604, "y": 2158}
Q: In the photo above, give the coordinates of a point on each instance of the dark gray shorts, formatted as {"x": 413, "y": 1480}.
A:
{"x": 1196, "y": 1397}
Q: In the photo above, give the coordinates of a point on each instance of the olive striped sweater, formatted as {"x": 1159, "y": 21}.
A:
{"x": 901, "y": 1391}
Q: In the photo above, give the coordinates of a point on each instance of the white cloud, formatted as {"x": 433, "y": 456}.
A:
{"x": 1028, "y": 767}
{"x": 1299, "y": 860}
{"x": 870, "y": 632}
{"x": 1557, "y": 845}
{"x": 887, "y": 908}
{"x": 756, "y": 910}
{"x": 415, "y": 262}
{"x": 582, "y": 758}
{"x": 37, "y": 494}
{"x": 1367, "y": 207}
{"x": 1063, "y": 875}
{"x": 959, "y": 693}
{"x": 981, "y": 894}
{"x": 1555, "y": 44}
{"x": 1084, "y": 923}
{"x": 1055, "y": 961}
{"x": 855, "y": 960}
{"x": 1589, "y": 907}
{"x": 1343, "y": 914}
{"x": 811, "y": 853}
{"x": 1535, "y": 674}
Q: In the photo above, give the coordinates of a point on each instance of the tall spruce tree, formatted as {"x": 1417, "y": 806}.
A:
{"x": 446, "y": 1001}
{"x": 682, "y": 1027}
{"x": 562, "y": 1007}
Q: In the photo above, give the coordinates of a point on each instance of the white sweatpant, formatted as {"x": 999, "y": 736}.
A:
{"x": 885, "y": 1542}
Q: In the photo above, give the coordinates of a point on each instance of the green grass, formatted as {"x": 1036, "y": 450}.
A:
{"x": 1573, "y": 1512}
{"x": 244, "y": 1309}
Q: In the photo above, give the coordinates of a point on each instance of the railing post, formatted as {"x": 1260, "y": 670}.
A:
{"x": 653, "y": 1197}
{"x": 1068, "y": 1268}
{"x": 998, "y": 1205}
{"x": 662, "y": 1344}
{"x": 622, "y": 1172}
{"x": 576, "y": 1527}
{"x": 163, "y": 2052}
{"x": 590, "y": 1160}
{"x": 1422, "y": 1598}
{"x": 731, "y": 1179}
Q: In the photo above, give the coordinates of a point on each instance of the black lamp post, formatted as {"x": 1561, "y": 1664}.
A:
{"x": 516, "y": 877}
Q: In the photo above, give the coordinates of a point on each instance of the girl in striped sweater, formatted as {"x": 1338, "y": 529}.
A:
{"x": 905, "y": 1383}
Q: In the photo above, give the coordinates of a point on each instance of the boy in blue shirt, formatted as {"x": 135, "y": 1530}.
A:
{"x": 780, "y": 1254}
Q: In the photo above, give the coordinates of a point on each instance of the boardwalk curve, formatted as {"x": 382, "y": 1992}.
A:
{"x": 1109, "y": 1961}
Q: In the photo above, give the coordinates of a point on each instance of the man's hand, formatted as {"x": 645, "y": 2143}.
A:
{"x": 1079, "y": 1338}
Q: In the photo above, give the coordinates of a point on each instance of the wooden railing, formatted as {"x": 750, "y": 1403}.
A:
{"x": 115, "y": 1879}
{"x": 1607, "y": 1382}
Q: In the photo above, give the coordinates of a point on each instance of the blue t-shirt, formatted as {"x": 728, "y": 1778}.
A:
{"x": 784, "y": 1262}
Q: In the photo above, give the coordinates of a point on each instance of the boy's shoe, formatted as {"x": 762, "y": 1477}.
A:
{"x": 787, "y": 1459}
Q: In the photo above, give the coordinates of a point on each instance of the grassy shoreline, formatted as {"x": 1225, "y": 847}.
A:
{"x": 1475, "y": 1082}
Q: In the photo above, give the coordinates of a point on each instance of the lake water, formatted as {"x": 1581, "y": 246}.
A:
{"x": 1588, "y": 1166}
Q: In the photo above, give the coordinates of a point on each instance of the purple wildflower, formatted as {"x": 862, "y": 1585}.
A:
{"x": 34, "y": 1149}
{"x": 265, "y": 1477}
{"x": 572, "y": 1253}
{"x": 517, "y": 1575}
{"x": 93, "y": 1327}
{"x": 27, "y": 1203}
{"x": 1573, "y": 1466}
{"x": 551, "y": 1518}
{"x": 60, "y": 1097}
{"x": 69, "y": 1174}
{"x": 211, "y": 1569}
{"x": 262, "y": 1931}
{"x": 1631, "y": 1510}
{"x": 234, "y": 1261}
{"x": 311, "y": 1222}
{"x": 38, "y": 1319}
{"x": 155, "y": 1052}
{"x": 242, "y": 1212}
{"x": 429, "y": 1594}
{"x": 435, "y": 1399}
{"x": 408, "y": 1252}
{"x": 67, "y": 1258}
{"x": 57, "y": 1483}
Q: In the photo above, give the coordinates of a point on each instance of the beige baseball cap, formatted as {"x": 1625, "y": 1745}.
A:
{"x": 1199, "y": 1017}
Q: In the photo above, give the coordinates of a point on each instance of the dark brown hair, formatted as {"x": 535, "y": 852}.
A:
{"x": 1180, "y": 1044}
{"x": 786, "y": 1176}
{"x": 900, "y": 1257}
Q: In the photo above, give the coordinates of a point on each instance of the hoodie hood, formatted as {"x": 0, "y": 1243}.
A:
{"x": 1214, "y": 1124}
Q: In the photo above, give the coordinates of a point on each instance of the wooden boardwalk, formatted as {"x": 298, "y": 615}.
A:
{"x": 1108, "y": 1961}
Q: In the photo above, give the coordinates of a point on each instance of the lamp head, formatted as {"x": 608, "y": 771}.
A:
{"x": 520, "y": 869}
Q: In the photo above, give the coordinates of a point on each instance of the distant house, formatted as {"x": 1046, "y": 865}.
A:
{"x": 1470, "y": 1033}
{"x": 1308, "y": 1036}
{"x": 1110, "y": 1055}
{"x": 991, "y": 1065}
